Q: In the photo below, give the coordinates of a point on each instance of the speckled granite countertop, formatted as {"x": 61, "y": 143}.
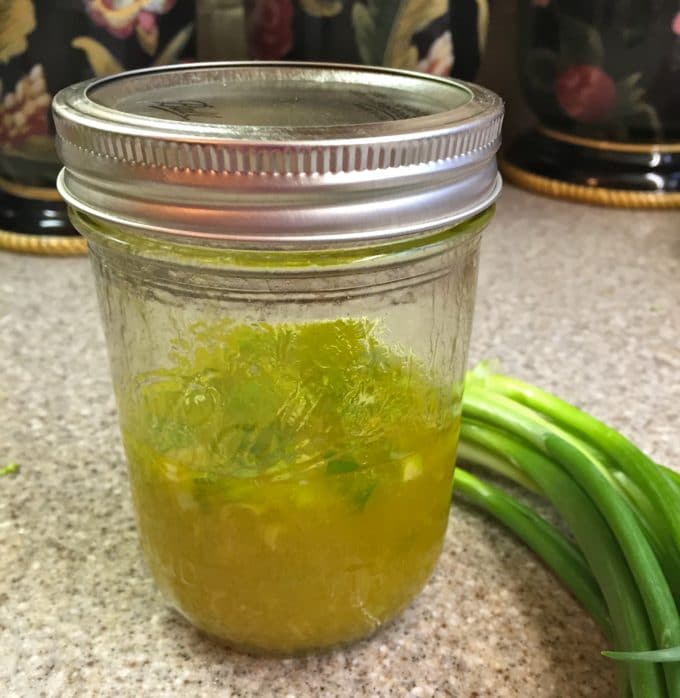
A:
{"x": 580, "y": 300}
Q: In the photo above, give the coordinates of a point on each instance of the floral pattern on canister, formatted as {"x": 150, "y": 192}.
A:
{"x": 442, "y": 37}
{"x": 675, "y": 26}
{"x": 17, "y": 21}
{"x": 385, "y": 32}
{"x": 46, "y": 45}
{"x": 322, "y": 8}
{"x": 269, "y": 28}
{"x": 606, "y": 70}
{"x": 123, "y": 17}
{"x": 24, "y": 111}
{"x": 103, "y": 62}
{"x": 439, "y": 59}
{"x": 585, "y": 93}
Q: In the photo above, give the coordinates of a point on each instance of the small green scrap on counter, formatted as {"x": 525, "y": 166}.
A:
{"x": 621, "y": 508}
{"x": 10, "y": 469}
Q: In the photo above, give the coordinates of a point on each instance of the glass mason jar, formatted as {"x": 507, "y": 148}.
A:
{"x": 286, "y": 272}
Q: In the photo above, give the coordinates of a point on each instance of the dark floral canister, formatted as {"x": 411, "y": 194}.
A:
{"x": 45, "y": 46}
{"x": 432, "y": 36}
{"x": 603, "y": 77}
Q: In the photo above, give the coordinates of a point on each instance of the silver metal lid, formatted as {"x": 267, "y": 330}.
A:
{"x": 278, "y": 152}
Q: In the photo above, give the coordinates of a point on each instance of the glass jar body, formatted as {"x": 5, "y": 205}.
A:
{"x": 290, "y": 420}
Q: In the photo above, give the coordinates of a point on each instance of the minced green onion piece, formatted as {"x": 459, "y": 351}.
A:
{"x": 594, "y": 538}
{"x": 483, "y": 404}
{"x": 10, "y": 469}
{"x": 337, "y": 467}
{"x": 670, "y": 654}
{"x": 559, "y": 554}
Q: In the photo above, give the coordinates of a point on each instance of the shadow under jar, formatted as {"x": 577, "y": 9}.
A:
{"x": 287, "y": 293}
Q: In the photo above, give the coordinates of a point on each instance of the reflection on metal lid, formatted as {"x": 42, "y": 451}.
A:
{"x": 336, "y": 151}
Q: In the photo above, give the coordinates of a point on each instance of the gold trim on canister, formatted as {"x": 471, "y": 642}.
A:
{"x": 55, "y": 245}
{"x": 614, "y": 146}
{"x": 25, "y": 191}
{"x": 620, "y": 198}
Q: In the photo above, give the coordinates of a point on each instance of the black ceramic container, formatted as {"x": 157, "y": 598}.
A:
{"x": 433, "y": 36}
{"x": 603, "y": 78}
{"x": 44, "y": 46}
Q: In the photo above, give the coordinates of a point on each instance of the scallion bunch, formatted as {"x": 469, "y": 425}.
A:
{"x": 622, "y": 559}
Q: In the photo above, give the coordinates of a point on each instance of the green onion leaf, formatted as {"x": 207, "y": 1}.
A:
{"x": 337, "y": 467}
{"x": 670, "y": 654}
{"x": 559, "y": 554}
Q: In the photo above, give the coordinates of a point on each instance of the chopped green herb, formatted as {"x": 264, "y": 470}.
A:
{"x": 242, "y": 400}
{"x": 363, "y": 494}
{"x": 336, "y": 467}
{"x": 10, "y": 469}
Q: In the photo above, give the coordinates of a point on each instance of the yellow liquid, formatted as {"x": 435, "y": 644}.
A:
{"x": 291, "y": 482}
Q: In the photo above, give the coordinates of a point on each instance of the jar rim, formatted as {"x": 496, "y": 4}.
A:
{"x": 226, "y": 255}
{"x": 412, "y": 153}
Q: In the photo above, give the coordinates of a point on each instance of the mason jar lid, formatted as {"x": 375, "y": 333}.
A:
{"x": 278, "y": 152}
